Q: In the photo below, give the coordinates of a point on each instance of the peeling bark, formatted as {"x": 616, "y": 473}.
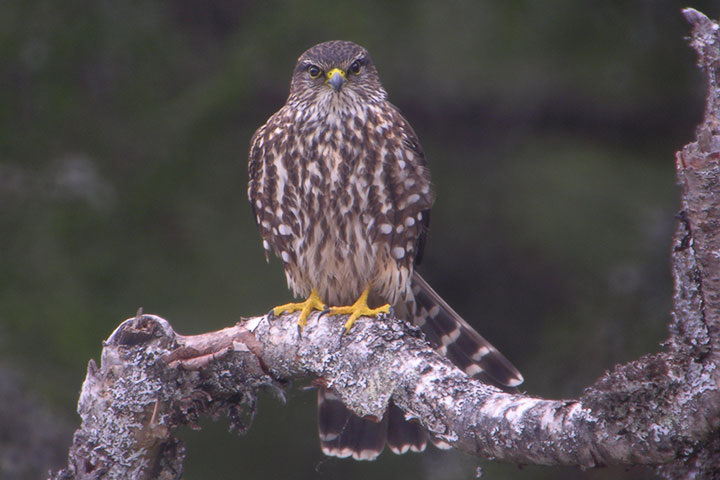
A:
{"x": 662, "y": 409}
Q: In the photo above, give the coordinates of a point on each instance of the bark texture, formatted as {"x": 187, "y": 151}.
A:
{"x": 661, "y": 410}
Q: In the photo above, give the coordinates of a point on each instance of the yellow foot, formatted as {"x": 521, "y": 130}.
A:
{"x": 305, "y": 308}
{"x": 358, "y": 309}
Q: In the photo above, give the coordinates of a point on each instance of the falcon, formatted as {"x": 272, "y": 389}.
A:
{"x": 341, "y": 193}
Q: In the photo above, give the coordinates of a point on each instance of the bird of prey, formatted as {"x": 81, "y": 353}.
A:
{"x": 341, "y": 192}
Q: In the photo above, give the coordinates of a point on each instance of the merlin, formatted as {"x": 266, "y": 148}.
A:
{"x": 341, "y": 192}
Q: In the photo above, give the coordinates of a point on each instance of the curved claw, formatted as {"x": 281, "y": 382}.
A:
{"x": 305, "y": 308}
{"x": 358, "y": 309}
{"x": 367, "y": 312}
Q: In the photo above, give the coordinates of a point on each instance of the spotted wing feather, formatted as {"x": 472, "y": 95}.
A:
{"x": 262, "y": 186}
{"x": 402, "y": 206}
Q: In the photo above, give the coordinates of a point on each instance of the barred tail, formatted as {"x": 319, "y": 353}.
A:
{"x": 453, "y": 337}
{"x": 343, "y": 434}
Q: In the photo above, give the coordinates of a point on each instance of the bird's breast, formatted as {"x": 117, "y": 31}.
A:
{"x": 335, "y": 252}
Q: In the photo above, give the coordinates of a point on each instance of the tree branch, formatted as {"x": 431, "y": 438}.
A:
{"x": 662, "y": 409}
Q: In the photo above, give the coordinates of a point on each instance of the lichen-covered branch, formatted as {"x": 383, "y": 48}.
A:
{"x": 662, "y": 409}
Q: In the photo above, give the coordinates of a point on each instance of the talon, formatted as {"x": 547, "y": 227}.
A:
{"x": 350, "y": 322}
{"x": 358, "y": 309}
{"x": 305, "y": 308}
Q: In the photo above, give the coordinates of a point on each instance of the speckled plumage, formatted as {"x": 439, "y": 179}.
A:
{"x": 341, "y": 193}
{"x": 339, "y": 185}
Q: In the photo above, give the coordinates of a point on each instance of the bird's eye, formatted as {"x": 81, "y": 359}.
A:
{"x": 313, "y": 71}
{"x": 355, "y": 67}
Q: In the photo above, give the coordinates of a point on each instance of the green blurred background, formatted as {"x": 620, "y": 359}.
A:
{"x": 550, "y": 128}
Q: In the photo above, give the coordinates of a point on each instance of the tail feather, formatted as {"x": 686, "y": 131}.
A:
{"x": 452, "y": 336}
{"x": 343, "y": 434}
{"x": 404, "y": 435}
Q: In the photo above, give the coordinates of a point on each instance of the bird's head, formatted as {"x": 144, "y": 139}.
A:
{"x": 337, "y": 72}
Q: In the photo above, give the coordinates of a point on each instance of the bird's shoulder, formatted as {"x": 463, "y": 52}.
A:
{"x": 264, "y": 135}
{"x": 404, "y": 132}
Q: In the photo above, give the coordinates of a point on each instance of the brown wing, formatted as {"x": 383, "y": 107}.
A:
{"x": 256, "y": 193}
{"x": 412, "y": 143}
{"x": 265, "y": 193}
{"x": 406, "y": 195}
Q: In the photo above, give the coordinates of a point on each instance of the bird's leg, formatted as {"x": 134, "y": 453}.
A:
{"x": 358, "y": 309}
{"x": 313, "y": 302}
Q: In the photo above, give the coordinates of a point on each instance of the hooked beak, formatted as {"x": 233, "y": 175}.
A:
{"x": 336, "y": 79}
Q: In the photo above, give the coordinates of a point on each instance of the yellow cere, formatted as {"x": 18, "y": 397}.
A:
{"x": 332, "y": 73}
